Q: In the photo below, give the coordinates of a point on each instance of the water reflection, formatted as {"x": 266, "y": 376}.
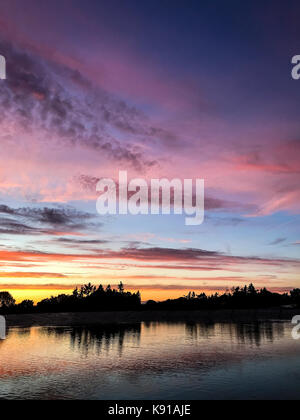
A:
{"x": 254, "y": 333}
{"x": 112, "y": 338}
{"x": 150, "y": 360}
{"x": 97, "y": 339}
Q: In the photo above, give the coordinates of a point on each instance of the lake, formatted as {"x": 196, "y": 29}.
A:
{"x": 172, "y": 361}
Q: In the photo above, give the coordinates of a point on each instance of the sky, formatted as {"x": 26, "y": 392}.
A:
{"x": 175, "y": 89}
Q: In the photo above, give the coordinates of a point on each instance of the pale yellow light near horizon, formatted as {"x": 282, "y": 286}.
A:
{"x": 154, "y": 282}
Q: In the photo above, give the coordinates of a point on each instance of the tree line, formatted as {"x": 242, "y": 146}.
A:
{"x": 246, "y": 297}
{"x": 89, "y": 298}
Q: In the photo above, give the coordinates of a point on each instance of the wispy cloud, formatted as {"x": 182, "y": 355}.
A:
{"x": 278, "y": 241}
{"x": 44, "y": 221}
{"x": 198, "y": 257}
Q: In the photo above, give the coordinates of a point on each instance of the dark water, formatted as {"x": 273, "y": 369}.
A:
{"x": 152, "y": 361}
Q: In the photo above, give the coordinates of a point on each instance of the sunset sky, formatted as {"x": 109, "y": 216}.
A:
{"x": 176, "y": 89}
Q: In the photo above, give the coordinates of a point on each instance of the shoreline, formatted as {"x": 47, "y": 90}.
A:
{"x": 132, "y": 317}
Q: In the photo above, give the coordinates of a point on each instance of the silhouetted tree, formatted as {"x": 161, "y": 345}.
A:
{"x": 27, "y": 306}
{"x": 87, "y": 290}
{"x": 295, "y": 295}
{"x": 90, "y": 298}
{"x": 76, "y": 293}
{"x": 6, "y": 300}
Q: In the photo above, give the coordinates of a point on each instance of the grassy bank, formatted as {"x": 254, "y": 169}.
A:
{"x": 89, "y": 318}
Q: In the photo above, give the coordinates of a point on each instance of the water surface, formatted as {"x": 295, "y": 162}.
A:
{"x": 152, "y": 361}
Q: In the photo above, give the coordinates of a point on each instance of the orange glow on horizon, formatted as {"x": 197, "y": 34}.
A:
{"x": 147, "y": 294}
{"x": 40, "y": 293}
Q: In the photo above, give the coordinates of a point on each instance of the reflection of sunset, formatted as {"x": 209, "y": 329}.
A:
{"x": 53, "y": 351}
{"x": 16, "y": 348}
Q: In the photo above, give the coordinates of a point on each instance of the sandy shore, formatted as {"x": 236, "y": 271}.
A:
{"x": 130, "y": 317}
